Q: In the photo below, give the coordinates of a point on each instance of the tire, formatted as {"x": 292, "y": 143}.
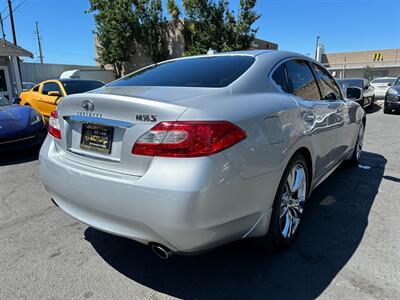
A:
{"x": 287, "y": 211}
{"x": 355, "y": 157}
{"x": 386, "y": 110}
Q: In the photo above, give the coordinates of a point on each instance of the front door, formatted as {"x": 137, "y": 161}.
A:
{"x": 5, "y": 86}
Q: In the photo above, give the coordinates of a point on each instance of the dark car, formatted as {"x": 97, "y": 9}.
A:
{"x": 392, "y": 98}
{"x": 368, "y": 95}
{"x": 20, "y": 126}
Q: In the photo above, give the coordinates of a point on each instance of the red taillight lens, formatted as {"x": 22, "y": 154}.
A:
{"x": 188, "y": 138}
{"x": 54, "y": 125}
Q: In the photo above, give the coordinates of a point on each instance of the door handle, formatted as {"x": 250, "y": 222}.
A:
{"x": 309, "y": 117}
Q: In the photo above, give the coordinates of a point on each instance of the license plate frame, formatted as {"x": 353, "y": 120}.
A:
{"x": 97, "y": 138}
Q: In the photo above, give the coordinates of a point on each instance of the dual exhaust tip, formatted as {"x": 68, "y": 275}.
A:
{"x": 161, "y": 251}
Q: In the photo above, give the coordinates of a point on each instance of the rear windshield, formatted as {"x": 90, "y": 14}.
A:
{"x": 351, "y": 82}
{"x": 217, "y": 71}
{"x": 76, "y": 87}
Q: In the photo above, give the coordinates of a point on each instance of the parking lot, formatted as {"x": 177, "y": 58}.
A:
{"x": 348, "y": 247}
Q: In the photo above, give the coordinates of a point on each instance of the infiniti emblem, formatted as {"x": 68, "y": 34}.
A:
{"x": 88, "y": 105}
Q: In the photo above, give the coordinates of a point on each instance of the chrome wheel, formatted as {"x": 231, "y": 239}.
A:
{"x": 292, "y": 201}
{"x": 360, "y": 141}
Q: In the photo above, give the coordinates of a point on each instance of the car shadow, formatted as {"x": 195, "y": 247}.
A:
{"x": 373, "y": 108}
{"x": 19, "y": 156}
{"x": 334, "y": 225}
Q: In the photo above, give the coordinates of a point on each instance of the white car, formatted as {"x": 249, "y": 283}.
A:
{"x": 195, "y": 152}
{"x": 381, "y": 85}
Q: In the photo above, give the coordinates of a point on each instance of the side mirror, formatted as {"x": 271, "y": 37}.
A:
{"x": 354, "y": 93}
{"x": 54, "y": 94}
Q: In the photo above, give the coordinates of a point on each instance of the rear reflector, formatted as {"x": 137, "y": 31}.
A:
{"x": 188, "y": 138}
{"x": 54, "y": 125}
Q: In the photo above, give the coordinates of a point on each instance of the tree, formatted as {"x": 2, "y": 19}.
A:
{"x": 116, "y": 25}
{"x": 210, "y": 24}
{"x": 247, "y": 16}
{"x": 123, "y": 24}
{"x": 153, "y": 28}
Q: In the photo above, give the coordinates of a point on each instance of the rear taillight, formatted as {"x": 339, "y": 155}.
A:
{"x": 188, "y": 138}
{"x": 54, "y": 125}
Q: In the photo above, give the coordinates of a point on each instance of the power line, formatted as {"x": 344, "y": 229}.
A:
{"x": 18, "y": 6}
{"x": 5, "y": 8}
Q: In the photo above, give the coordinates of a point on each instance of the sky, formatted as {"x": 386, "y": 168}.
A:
{"x": 343, "y": 25}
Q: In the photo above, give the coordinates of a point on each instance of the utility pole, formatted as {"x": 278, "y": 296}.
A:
{"x": 10, "y": 11}
{"x": 15, "y": 59}
{"x": 39, "y": 43}
{"x": 316, "y": 47}
{"x": 2, "y": 29}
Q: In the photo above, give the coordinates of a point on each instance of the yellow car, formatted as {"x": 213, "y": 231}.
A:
{"x": 45, "y": 96}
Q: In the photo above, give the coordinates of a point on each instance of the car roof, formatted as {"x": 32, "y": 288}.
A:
{"x": 275, "y": 55}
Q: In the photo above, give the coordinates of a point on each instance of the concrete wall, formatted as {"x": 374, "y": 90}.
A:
{"x": 34, "y": 72}
{"x": 359, "y": 73}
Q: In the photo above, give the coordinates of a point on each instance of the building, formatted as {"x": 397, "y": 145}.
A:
{"x": 368, "y": 64}
{"x": 10, "y": 78}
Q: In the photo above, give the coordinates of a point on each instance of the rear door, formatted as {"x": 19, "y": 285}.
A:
{"x": 319, "y": 115}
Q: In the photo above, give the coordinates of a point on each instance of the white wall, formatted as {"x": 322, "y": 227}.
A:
{"x": 34, "y": 72}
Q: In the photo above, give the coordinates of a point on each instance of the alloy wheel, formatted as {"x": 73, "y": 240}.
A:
{"x": 292, "y": 201}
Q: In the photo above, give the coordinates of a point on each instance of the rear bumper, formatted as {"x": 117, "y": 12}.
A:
{"x": 194, "y": 206}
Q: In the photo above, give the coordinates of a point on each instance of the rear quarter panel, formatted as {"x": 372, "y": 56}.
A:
{"x": 274, "y": 133}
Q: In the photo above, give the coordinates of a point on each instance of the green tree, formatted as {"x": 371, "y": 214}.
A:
{"x": 153, "y": 26}
{"x": 116, "y": 25}
{"x": 122, "y": 24}
{"x": 210, "y": 24}
{"x": 247, "y": 16}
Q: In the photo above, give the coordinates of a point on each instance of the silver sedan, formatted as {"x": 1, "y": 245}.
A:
{"x": 195, "y": 152}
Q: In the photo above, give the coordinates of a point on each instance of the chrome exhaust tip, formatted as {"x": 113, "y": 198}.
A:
{"x": 161, "y": 251}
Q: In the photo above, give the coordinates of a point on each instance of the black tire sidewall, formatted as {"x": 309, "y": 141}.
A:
{"x": 354, "y": 160}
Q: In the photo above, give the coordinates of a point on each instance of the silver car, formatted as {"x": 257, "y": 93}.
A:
{"x": 195, "y": 152}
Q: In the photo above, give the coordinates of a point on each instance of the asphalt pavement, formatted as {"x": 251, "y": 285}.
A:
{"x": 347, "y": 248}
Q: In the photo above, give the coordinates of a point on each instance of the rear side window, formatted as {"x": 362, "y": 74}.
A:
{"x": 280, "y": 79}
{"x": 217, "y": 71}
{"x": 50, "y": 87}
{"x": 36, "y": 88}
{"x": 301, "y": 80}
{"x": 329, "y": 89}
{"x": 80, "y": 86}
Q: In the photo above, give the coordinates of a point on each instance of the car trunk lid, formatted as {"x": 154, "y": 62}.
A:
{"x": 100, "y": 129}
